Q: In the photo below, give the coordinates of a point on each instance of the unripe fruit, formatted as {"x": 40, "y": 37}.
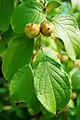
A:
{"x": 64, "y": 58}
{"x": 32, "y": 30}
{"x": 47, "y": 28}
{"x": 74, "y": 95}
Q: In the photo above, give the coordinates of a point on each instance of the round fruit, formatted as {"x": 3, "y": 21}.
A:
{"x": 32, "y": 30}
{"x": 47, "y": 28}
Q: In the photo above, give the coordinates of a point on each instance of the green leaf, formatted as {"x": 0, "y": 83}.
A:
{"x": 34, "y": 102}
{"x": 76, "y": 80}
{"x": 47, "y": 115}
{"x": 48, "y": 52}
{"x": 78, "y": 101}
{"x": 2, "y": 46}
{"x": 27, "y": 12}
{"x": 78, "y": 107}
{"x": 8, "y": 35}
{"x": 17, "y": 54}
{"x": 67, "y": 30}
{"x": 5, "y": 38}
{"x": 55, "y": 4}
{"x": 53, "y": 7}
{"x": 21, "y": 85}
{"x": 6, "y": 8}
{"x": 52, "y": 85}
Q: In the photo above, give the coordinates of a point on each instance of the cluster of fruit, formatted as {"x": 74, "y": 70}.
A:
{"x": 33, "y": 30}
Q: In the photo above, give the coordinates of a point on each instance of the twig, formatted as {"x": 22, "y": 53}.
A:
{"x": 39, "y": 47}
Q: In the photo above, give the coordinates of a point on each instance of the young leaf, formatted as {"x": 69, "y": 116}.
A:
{"x": 21, "y": 85}
{"x": 52, "y": 85}
{"x": 17, "y": 54}
{"x": 53, "y": 7}
{"x": 27, "y": 12}
{"x": 67, "y": 30}
{"x": 6, "y": 8}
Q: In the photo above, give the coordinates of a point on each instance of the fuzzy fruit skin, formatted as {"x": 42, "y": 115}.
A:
{"x": 32, "y": 30}
{"x": 47, "y": 28}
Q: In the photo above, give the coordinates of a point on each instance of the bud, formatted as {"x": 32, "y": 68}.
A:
{"x": 47, "y": 28}
{"x": 32, "y": 30}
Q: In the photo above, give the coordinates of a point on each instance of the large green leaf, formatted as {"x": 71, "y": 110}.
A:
{"x": 21, "y": 85}
{"x": 52, "y": 85}
{"x": 67, "y": 30}
{"x": 16, "y": 55}
{"x": 6, "y": 8}
{"x": 5, "y": 38}
{"x": 27, "y": 12}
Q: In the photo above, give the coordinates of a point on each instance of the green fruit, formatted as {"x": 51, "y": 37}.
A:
{"x": 32, "y": 30}
{"x": 47, "y": 28}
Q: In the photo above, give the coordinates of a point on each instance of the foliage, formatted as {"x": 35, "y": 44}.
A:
{"x": 39, "y": 58}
